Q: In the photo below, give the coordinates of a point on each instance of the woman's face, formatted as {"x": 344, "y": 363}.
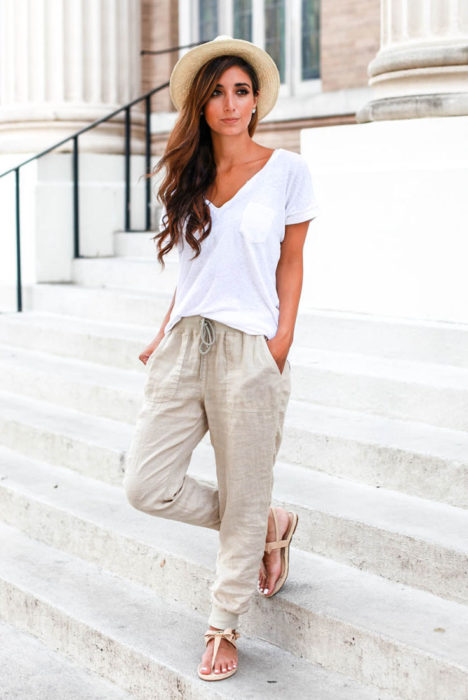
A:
{"x": 232, "y": 99}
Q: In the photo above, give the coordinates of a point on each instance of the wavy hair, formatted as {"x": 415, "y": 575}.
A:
{"x": 189, "y": 161}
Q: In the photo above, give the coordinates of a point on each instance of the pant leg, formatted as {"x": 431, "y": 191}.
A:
{"x": 170, "y": 424}
{"x": 246, "y": 400}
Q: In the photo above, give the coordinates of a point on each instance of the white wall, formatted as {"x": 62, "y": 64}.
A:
{"x": 392, "y": 237}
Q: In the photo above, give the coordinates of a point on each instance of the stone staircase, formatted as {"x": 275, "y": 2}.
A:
{"x": 113, "y": 603}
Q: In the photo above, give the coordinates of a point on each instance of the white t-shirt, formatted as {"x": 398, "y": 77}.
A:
{"x": 233, "y": 280}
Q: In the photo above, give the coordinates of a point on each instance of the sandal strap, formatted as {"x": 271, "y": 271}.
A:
{"x": 276, "y": 545}
{"x": 275, "y": 520}
{"x": 218, "y": 636}
{"x": 269, "y": 545}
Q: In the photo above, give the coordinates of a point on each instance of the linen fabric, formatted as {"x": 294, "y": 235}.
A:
{"x": 232, "y": 386}
{"x": 233, "y": 280}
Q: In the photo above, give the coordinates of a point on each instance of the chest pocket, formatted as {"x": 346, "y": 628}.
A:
{"x": 256, "y": 222}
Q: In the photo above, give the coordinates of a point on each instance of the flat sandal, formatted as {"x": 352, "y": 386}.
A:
{"x": 284, "y": 546}
{"x": 231, "y": 636}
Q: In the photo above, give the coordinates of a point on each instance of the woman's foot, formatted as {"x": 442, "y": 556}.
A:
{"x": 270, "y": 568}
{"x": 226, "y": 658}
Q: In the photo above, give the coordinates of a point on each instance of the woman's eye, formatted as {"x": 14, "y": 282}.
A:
{"x": 243, "y": 91}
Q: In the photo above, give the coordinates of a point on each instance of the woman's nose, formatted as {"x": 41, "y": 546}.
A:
{"x": 228, "y": 101}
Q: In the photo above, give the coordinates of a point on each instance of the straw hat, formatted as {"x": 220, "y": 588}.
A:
{"x": 188, "y": 65}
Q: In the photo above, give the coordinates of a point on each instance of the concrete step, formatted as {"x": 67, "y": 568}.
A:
{"x": 110, "y": 344}
{"x": 110, "y": 304}
{"x": 148, "y": 646}
{"x": 409, "y": 457}
{"x": 23, "y": 659}
{"x": 404, "y": 339}
{"x": 87, "y": 387}
{"x": 431, "y": 394}
{"x": 135, "y": 244}
{"x": 404, "y": 641}
{"x": 415, "y": 458}
{"x": 393, "y": 338}
{"x": 406, "y": 539}
{"x": 128, "y": 273}
{"x": 423, "y": 392}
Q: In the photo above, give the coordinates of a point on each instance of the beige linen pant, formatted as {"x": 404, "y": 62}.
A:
{"x": 205, "y": 375}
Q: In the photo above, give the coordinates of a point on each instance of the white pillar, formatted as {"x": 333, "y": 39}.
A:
{"x": 421, "y": 69}
{"x": 64, "y": 64}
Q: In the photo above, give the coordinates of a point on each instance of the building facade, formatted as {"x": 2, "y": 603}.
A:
{"x": 322, "y": 49}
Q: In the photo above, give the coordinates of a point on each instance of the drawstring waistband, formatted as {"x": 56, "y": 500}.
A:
{"x": 208, "y": 335}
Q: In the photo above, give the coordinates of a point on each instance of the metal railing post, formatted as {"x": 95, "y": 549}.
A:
{"x": 76, "y": 200}
{"x": 147, "y": 162}
{"x": 127, "y": 215}
{"x": 19, "y": 300}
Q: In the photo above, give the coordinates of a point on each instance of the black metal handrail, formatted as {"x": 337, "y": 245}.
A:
{"x": 148, "y": 52}
{"x": 146, "y": 98}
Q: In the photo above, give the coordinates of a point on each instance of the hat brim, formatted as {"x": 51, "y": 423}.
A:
{"x": 189, "y": 64}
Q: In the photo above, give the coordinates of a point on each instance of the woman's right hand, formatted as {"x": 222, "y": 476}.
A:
{"x": 148, "y": 351}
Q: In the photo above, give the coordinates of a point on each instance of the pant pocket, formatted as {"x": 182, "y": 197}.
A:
{"x": 272, "y": 360}
{"x": 165, "y": 366}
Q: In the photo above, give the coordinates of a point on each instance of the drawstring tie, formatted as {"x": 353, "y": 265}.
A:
{"x": 207, "y": 334}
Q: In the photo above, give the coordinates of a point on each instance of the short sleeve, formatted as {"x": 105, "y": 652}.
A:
{"x": 301, "y": 203}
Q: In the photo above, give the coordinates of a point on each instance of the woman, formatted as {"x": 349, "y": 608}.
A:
{"x": 238, "y": 213}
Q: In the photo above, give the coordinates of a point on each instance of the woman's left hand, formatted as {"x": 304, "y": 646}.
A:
{"x": 279, "y": 349}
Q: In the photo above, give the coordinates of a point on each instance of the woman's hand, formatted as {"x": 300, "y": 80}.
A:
{"x": 279, "y": 349}
{"x": 148, "y": 351}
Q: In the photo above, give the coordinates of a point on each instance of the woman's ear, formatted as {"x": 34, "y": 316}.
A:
{"x": 254, "y": 108}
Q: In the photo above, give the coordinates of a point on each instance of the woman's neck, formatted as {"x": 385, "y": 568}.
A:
{"x": 230, "y": 152}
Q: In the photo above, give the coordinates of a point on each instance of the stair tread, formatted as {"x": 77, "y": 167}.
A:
{"x": 395, "y": 433}
{"x": 106, "y": 432}
{"x": 73, "y": 369}
{"x": 372, "y": 366}
{"x": 412, "y": 372}
{"x": 77, "y": 324}
{"x": 133, "y": 616}
{"x": 380, "y": 508}
{"x": 325, "y": 587}
{"x": 23, "y": 658}
{"x": 351, "y": 363}
{"x": 436, "y": 523}
{"x": 345, "y": 424}
{"x": 341, "y": 423}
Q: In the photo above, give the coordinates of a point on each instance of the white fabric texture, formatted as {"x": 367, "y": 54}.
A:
{"x": 233, "y": 280}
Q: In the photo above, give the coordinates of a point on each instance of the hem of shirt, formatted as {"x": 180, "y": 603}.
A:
{"x": 304, "y": 215}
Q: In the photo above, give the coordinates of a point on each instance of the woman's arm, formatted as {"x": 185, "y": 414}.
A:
{"x": 289, "y": 273}
{"x": 145, "y": 354}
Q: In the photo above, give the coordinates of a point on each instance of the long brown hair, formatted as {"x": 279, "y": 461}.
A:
{"x": 189, "y": 161}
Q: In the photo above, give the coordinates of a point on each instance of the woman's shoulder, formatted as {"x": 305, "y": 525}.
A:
{"x": 293, "y": 163}
{"x": 292, "y": 157}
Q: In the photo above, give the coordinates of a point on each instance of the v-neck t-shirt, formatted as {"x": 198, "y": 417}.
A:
{"x": 233, "y": 280}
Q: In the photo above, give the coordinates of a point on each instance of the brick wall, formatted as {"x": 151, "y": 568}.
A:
{"x": 350, "y": 39}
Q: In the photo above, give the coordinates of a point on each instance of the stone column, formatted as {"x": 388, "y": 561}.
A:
{"x": 64, "y": 64}
{"x": 421, "y": 69}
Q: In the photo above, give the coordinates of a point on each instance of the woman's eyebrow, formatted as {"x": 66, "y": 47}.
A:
{"x": 235, "y": 84}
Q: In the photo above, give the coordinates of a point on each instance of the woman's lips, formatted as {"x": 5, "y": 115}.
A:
{"x": 230, "y": 121}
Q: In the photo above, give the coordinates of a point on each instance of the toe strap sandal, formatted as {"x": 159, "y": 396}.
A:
{"x": 231, "y": 636}
{"x": 284, "y": 546}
